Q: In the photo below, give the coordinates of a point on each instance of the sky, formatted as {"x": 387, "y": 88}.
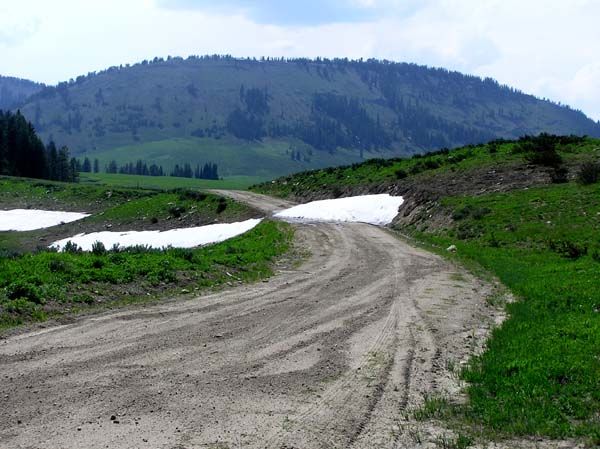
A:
{"x": 549, "y": 48}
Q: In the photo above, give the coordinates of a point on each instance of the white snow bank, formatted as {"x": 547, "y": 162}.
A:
{"x": 30, "y": 219}
{"x": 177, "y": 238}
{"x": 373, "y": 209}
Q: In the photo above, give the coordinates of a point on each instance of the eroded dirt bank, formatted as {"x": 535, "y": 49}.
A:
{"x": 332, "y": 354}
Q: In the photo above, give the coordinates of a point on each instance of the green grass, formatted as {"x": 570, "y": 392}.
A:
{"x": 38, "y": 285}
{"x": 237, "y": 159}
{"x": 35, "y": 193}
{"x": 167, "y": 182}
{"x": 540, "y": 374}
{"x": 376, "y": 172}
{"x": 204, "y": 208}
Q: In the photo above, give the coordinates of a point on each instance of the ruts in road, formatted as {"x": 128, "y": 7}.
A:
{"x": 333, "y": 353}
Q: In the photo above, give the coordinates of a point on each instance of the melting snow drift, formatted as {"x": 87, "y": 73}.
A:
{"x": 177, "y": 238}
{"x": 373, "y": 209}
{"x": 31, "y": 219}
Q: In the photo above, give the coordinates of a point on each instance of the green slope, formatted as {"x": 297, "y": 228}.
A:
{"x": 266, "y": 159}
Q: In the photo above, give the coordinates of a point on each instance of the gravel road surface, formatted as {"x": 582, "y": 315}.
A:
{"x": 331, "y": 354}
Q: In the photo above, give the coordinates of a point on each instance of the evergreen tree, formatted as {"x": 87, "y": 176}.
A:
{"x": 86, "y": 166}
{"x": 112, "y": 167}
{"x": 52, "y": 161}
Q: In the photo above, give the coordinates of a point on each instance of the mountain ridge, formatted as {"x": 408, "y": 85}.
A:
{"x": 347, "y": 110}
{"x": 15, "y": 91}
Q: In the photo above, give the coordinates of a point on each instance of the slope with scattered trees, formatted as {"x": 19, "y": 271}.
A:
{"x": 320, "y": 111}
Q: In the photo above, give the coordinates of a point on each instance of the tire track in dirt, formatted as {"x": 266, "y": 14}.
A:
{"x": 328, "y": 354}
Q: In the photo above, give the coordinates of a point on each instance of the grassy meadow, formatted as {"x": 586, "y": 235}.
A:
{"x": 37, "y": 283}
{"x": 167, "y": 182}
{"x": 236, "y": 159}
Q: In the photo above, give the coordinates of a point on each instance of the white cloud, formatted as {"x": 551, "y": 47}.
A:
{"x": 550, "y": 48}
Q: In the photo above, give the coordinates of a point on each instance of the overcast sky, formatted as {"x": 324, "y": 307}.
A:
{"x": 550, "y": 48}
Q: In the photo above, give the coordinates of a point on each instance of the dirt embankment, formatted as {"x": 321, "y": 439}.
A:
{"x": 423, "y": 192}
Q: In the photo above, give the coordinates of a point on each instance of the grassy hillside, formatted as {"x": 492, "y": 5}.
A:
{"x": 531, "y": 219}
{"x": 267, "y": 159}
{"x": 286, "y": 115}
{"x": 37, "y": 283}
{"x": 166, "y": 182}
{"x": 540, "y": 374}
{"x": 499, "y": 164}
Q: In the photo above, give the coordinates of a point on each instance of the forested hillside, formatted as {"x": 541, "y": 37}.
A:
{"x": 285, "y": 115}
{"x": 14, "y": 91}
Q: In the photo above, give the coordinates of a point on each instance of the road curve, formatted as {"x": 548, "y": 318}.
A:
{"x": 330, "y": 354}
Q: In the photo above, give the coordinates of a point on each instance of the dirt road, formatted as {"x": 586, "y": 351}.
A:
{"x": 333, "y": 353}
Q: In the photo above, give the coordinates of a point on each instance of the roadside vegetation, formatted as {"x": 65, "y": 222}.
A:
{"x": 37, "y": 283}
{"x": 44, "y": 284}
{"x": 553, "y": 153}
{"x": 540, "y": 372}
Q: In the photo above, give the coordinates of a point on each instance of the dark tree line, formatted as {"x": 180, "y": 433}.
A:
{"x": 207, "y": 171}
{"x": 22, "y": 153}
{"x": 141, "y": 168}
{"x": 88, "y": 167}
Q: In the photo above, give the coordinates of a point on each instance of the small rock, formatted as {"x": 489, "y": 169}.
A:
{"x": 451, "y": 249}
{"x": 113, "y": 417}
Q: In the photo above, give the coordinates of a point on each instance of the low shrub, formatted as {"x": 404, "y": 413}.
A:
{"x": 589, "y": 173}
{"x": 192, "y": 195}
{"x": 568, "y": 249}
{"x": 58, "y": 266}
{"x": 221, "y": 205}
{"x": 476, "y": 213}
{"x": 22, "y": 289}
{"x": 559, "y": 175}
{"x": 98, "y": 248}
{"x": 98, "y": 263}
{"x": 176, "y": 211}
{"x": 72, "y": 248}
{"x": 400, "y": 174}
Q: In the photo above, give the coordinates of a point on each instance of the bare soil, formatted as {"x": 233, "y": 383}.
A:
{"x": 336, "y": 353}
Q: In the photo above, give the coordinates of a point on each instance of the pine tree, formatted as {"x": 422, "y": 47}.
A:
{"x": 86, "y": 166}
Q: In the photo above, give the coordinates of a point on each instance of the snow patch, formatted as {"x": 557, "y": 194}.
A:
{"x": 374, "y": 209}
{"x": 31, "y": 219}
{"x": 177, "y": 238}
